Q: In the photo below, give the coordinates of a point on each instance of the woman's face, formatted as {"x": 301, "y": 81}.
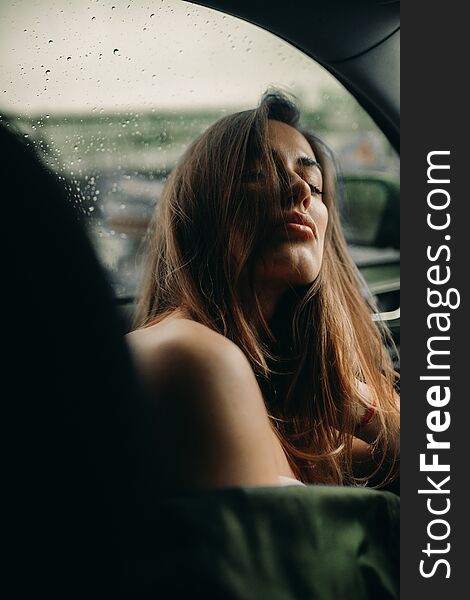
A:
{"x": 292, "y": 253}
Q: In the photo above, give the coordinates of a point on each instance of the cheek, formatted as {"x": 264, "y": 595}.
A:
{"x": 325, "y": 222}
{"x": 320, "y": 215}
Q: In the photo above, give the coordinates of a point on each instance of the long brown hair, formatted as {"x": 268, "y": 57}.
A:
{"x": 201, "y": 248}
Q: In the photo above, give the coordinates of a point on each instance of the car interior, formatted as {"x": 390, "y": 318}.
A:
{"x": 85, "y": 514}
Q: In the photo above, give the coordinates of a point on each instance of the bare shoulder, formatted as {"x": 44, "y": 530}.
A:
{"x": 182, "y": 345}
{"x": 208, "y": 407}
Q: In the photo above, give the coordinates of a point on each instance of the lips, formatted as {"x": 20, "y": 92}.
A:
{"x": 299, "y": 223}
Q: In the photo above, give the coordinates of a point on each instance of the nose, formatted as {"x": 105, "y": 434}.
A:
{"x": 298, "y": 193}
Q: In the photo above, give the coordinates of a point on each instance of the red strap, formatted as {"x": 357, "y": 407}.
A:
{"x": 368, "y": 415}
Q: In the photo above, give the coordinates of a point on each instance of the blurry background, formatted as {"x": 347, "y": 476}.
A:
{"x": 112, "y": 93}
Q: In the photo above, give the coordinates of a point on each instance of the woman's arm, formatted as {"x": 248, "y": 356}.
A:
{"x": 364, "y": 464}
{"x": 367, "y": 427}
{"x": 365, "y": 461}
{"x": 211, "y": 424}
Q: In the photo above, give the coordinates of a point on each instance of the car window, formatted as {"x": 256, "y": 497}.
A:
{"x": 111, "y": 94}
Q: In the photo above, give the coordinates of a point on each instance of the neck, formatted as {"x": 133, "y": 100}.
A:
{"x": 269, "y": 299}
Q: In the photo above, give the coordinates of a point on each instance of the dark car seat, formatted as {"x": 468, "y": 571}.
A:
{"x": 73, "y": 424}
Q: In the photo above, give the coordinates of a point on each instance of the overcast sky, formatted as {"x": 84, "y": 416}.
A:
{"x": 79, "y": 55}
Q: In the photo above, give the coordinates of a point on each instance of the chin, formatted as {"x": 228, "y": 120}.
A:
{"x": 300, "y": 279}
{"x": 288, "y": 273}
{"x": 289, "y": 266}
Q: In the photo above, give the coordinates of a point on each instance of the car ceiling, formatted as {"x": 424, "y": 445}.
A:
{"x": 356, "y": 40}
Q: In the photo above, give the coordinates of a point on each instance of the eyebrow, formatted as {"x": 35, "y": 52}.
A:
{"x": 306, "y": 161}
{"x": 303, "y": 160}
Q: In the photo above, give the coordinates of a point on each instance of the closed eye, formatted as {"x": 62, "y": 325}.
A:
{"x": 315, "y": 190}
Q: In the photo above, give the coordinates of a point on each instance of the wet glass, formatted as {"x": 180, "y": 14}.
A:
{"x": 112, "y": 94}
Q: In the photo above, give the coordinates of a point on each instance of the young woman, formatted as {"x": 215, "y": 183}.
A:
{"x": 253, "y": 336}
